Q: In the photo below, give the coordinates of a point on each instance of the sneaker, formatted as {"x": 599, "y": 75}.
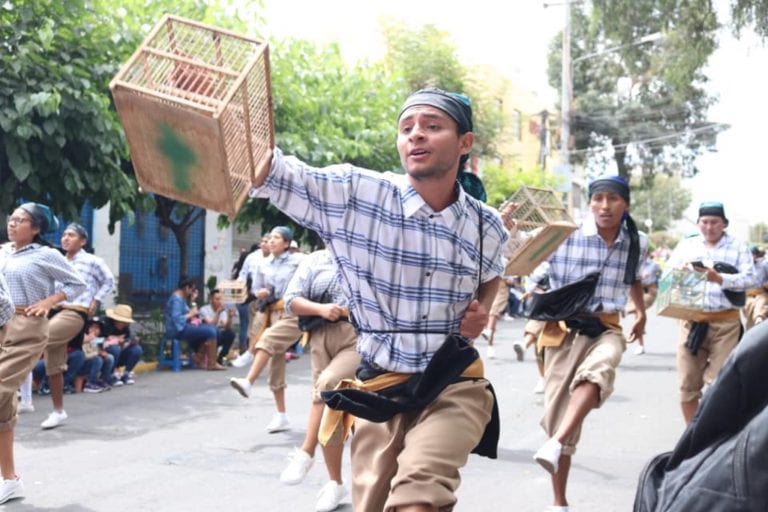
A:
{"x": 54, "y": 419}
{"x": 557, "y": 508}
{"x": 11, "y": 489}
{"x": 548, "y": 455}
{"x": 639, "y": 350}
{"x": 278, "y": 423}
{"x": 539, "y": 388}
{"x": 490, "y": 352}
{"x": 69, "y": 389}
{"x": 299, "y": 464}
{"x": 519, "y": 350}
{"x": 128, "y": 380}
{"x": 104, "y": 385}
{"x": 93, "y": 387}
{"x": 25, "y": 407}
{"x": 116, "y": 383}
{"x": 241, "y": 385}
{"x": 44, "y": 390}
{"x": 486, "y": 333}
{"x": 330, "y": 496}
{"x": 243, "y": 359}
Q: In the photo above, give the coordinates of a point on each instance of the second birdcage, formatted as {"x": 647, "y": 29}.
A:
{"x": 543, "y": 223}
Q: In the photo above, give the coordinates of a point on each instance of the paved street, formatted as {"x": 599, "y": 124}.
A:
{"x": 188, "y": 442}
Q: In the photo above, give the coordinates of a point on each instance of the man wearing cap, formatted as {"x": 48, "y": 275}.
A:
{"x": 726, "y": 264}
{"x": 420, "y": 259}
{"x": 595, "y": 270}
{"x": 756, "y": 308}
{"x": 68, "y": 318}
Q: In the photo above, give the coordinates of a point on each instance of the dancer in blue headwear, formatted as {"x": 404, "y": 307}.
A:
{"x": 590, "y": 275}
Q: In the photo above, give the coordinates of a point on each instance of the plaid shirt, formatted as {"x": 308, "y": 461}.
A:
{"x": 33, "y": 271}
{"x": 585, "y": 251}
{"x": 317, "y": 280}
{"x": 6, "y": 304}
{"x": 404, "y": 266}
{"x": 274, "y": 273}
{"x": 97, "y": 276}
{"x": 726, "y": 250}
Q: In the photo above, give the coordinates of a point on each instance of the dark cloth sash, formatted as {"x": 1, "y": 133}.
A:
{"x": 696, "y": 336}
{"x": 565, "y": 302}
{"x": 416, "y": 393}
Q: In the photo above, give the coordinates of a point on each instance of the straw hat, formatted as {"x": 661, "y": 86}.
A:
{"x": 121, "y": 313}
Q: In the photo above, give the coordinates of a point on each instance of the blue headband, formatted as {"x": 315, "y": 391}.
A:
{"x": 42, "y": 217}
{"x": 77, "y": 228}
{"x": 456, "y": 105}
{"x": 284, "y": 232}
{"x": 616, "y": 184}
{"x": 712, "y": 208}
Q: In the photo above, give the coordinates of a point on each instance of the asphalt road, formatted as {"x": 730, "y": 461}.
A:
{"x": 188, "y": 442}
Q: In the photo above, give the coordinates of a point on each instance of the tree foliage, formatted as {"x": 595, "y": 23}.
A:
{"x": 662, "y": 200}
{"x": 327, "y": 112}
{"x": 638, "y": 84}
{"x": 60, "y": 142}
{"x": 500, "y": 184}
{"x": 750, "y": 14}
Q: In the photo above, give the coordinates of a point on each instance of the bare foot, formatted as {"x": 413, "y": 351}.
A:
{"x": 216, "y": 366}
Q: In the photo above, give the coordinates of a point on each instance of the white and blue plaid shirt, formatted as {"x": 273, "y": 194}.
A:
{"x": 274, "y": 273}
{"x": 316, "y": 279}
{"x": 6, "y": 304}
{"x": 584, "y": 252}
{"x": 97, "y": 276}
{"x": 404, "y": 266}
{"x": 33, "y": 271}
{"x": 726, "y": 250}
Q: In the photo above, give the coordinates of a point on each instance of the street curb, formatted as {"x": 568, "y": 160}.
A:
{"x": 145, "y": 367}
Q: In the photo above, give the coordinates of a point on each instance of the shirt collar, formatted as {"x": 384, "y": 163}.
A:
{"x": 413, "y": 203}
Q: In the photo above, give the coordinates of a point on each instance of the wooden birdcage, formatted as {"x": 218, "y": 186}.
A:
{"x": 681, "y": 295}
{"x": 196, "y": 105}
{"x": 232, "y": 292}
{"x": 543, "y": 224}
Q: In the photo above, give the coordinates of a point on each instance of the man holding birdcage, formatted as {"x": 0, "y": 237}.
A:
{"x": 725, "y": 264}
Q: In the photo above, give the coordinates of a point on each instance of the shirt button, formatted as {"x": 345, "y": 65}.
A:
{"x": 429, "y": 274}
{"x": 432, "y": 216}
{"x": 424, "y": 317}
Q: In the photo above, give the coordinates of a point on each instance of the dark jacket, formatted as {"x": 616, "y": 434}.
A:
{"x": 721, "y": 462}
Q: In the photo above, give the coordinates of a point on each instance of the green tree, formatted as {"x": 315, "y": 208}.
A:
{"x": 500, "y": 183}
{"x": 643, "y": 104}
{"x": 662, "y": 199}
{"x": 60, "y": 141}
{"x": 328, "y": 112}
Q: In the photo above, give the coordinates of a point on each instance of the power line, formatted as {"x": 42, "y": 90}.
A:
{"x": 624, "y": 145}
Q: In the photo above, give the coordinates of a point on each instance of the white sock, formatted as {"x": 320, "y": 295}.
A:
{"x": 26, "y": 390}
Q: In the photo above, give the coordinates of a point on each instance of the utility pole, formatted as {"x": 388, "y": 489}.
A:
{"x": 543, "y": 139}
{"x": 565, "y": 99}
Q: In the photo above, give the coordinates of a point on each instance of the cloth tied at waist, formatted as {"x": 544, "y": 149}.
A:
{"x": 593, "y": 325}
{"x": 700, "y": 326}
{"x": 386, "y": 394}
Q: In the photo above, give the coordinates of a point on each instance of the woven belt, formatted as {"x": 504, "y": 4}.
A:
{"x": 21, "y": 310}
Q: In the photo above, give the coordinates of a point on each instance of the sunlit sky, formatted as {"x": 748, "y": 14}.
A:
{"x": 515, "y": 41}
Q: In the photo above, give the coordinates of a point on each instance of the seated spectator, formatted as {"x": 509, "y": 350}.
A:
{"x": 121, "y": 344}
{"x": 98, "y": 364}
{"x": 221, "y": 317}
{"x": 201, "y": 338}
